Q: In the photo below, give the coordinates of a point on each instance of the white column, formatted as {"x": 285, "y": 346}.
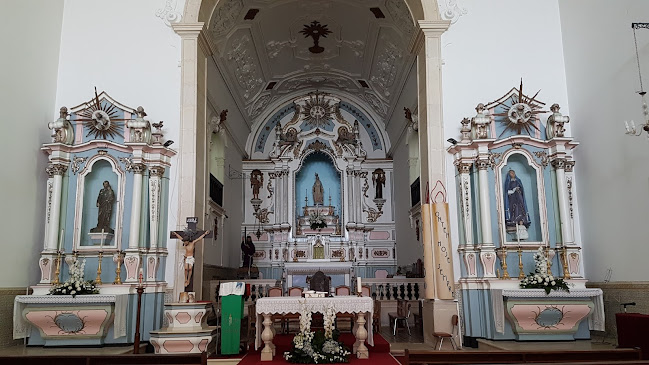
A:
{"x": 155, "y": 187}
{"x": 56, "y": 171}
{"x": 564, "y": 210}
{"x": 351, "y": 203}
{"x": 136, "y": 207}
{"x": 287, "y": 200}
{"x": 465, "y": 194}
{"x": 485, "y": 208}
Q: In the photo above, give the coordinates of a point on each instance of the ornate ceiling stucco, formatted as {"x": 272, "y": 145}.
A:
{"x": 265, "y": 55}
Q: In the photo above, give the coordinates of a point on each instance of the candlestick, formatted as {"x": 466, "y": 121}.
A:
{"x": 60, "y": 245}
{"x": 141, "y": 276}
{"x": 118, "y": 270}
{"x": 548, "y": 260}
{"x": 521, "y": 274}
{"x": 564, "y": 261}
{"x": 57, "y": 273}
{"x": 503, "y": 262}
{"x": 98, "y": 278}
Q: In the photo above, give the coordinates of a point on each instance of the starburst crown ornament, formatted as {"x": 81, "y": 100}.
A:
{"x": 101, "y": 120}
{"x": 317, "y": 111}
{"x": 522, "y": 114}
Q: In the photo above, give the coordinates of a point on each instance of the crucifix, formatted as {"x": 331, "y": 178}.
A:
{"x": 189, "y": 237}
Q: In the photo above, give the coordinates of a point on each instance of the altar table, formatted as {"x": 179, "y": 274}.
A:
{"x": 362, "y": 306}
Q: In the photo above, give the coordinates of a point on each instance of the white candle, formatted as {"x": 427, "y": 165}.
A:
{"x": 60, "y": 245}
{"x": 518, "y": 237}
{"x": 358, "y": 284}
{"x": 101, "y": 243}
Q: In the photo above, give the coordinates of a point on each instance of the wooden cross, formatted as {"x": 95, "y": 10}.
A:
{"x": 190, "y": 236}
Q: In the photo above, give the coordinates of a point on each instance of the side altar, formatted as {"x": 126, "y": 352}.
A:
{"x": 517, "y": 217}
{"x": 320, "y": 190}
{"x": 105, "y": 222}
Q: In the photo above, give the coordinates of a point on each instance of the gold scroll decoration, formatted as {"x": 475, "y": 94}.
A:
{"x": 444, "y": 278}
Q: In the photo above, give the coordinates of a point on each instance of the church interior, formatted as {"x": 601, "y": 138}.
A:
{"x": 406, "y": 181}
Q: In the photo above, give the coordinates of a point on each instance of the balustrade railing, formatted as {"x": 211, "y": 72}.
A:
{"x": 395, "y": 288}
{"x": 380, "y": 289}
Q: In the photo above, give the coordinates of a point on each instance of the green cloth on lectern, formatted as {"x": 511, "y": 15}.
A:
{"x": 231, "y": 314}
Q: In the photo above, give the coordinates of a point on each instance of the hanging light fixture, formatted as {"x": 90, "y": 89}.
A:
{"x": 630, "y": 127}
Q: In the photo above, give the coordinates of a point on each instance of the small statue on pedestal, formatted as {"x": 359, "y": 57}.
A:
{"x": 256, "y": 182}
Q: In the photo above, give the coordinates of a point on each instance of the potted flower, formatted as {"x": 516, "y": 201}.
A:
{"x": 540, "y": 278}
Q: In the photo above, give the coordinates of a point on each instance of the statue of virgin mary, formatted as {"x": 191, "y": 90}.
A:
{"x": 318, "y": 191}
{"x": 515, "y": 205}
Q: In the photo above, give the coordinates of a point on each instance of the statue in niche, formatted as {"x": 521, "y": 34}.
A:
{"x": 105, "y": 201}
{"x": 378, "y": 178}
{"x": 256, "y": 182}
{"x": 318, "y": 191}
{"x": 516, "y": 215}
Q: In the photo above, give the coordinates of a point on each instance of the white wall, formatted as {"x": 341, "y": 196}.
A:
{"x": 123, "y": 48}
{"x": 487, "y": 52}
{"x": 29, "y": 37}
{"x": 612, "y": 171}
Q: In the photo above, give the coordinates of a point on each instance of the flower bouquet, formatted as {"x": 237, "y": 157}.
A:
{"x": 320, "y": 347}
{"x": 540, "y": 279}
{"x": 75, "y": 285}
{"x": 317, "y": 221}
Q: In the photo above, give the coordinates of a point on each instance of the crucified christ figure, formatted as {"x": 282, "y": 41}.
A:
{"x": 189, "y": 254}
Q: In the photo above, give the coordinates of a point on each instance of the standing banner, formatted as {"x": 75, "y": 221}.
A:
{"x": 429, "y": 260}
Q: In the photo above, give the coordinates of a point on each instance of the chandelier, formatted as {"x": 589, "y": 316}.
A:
{"x": 631, "y": 127}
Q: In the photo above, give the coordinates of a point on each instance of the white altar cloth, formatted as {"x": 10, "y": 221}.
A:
{"x": 595, "y": 320}
{"x": 340, "y": 304}
{"x": 21, "y": 326}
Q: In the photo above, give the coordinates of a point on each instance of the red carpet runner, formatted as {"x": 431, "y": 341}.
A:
{"x": 379, "y": 353}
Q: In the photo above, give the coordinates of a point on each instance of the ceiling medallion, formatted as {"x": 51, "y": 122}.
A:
{"x": 315, "y": 30}
{"x": 522, "y": 114}
{"x": 101, "y": 120}
{"x": 317, "y": 111}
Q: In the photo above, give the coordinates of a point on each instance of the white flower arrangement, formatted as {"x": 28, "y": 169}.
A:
{"x": 541, "y": 278}
{"x": 317, "y": 221}
{"x": 75, "y": 285}
{"x": 317, "y": 347}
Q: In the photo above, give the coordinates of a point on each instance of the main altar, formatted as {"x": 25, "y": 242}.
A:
{"x": 319, "y": 192}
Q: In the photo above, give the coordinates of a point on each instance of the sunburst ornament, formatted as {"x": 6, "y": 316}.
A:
{"x": 317, "y": 111}
{"x": 522, "y": 114}
{"x": 101, "y": 120}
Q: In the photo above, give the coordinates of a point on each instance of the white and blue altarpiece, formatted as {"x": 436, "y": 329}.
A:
{"x": 516, "y": 193}
{"x": 318, "y": 192}
{"x": 107, "y": 191}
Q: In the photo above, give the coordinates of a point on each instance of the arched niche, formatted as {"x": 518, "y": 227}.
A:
{"x": 99, "y": 168}
{"x": 321, "y": 163}
{"x": 530, "y": 177}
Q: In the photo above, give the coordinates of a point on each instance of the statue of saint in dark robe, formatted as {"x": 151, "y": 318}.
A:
{"x": 247, "y": 251}
{"x": 318, "y": 191}
{"x": 515, "y": 205}
{"x": 105, "y": 202}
